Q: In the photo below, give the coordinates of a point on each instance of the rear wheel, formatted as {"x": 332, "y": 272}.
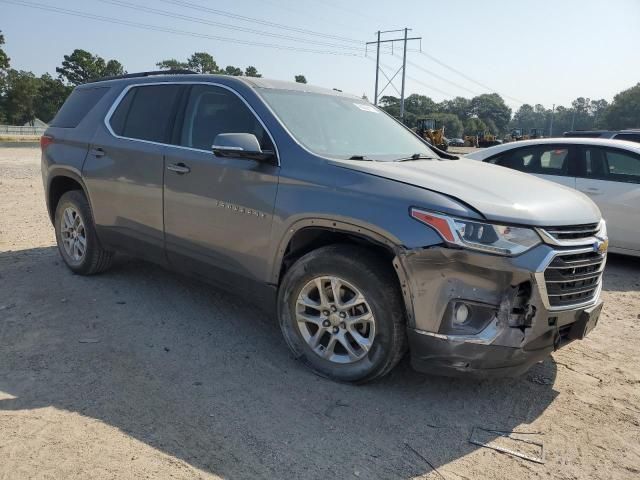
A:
{"x": 76, "y": 236}
{"x": 341, "y": 314}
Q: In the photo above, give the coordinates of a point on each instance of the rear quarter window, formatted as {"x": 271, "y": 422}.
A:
{"x": 77, "y": 105}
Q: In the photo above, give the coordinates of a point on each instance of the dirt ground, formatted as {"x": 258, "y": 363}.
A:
{"x": 141, "y": 373}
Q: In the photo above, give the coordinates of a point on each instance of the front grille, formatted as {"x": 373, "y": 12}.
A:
{"x": 573, "y": 278}
{"x": 574, "y": 232}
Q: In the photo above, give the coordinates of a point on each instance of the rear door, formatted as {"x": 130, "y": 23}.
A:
{"x": 218, "y": 211}
{"x": 554, "y": 162}
{"x": 124, "y": 169}
{"x": 611, "y": 177}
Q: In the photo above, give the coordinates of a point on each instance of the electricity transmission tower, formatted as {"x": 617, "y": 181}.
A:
{"x": 403, "y": 68}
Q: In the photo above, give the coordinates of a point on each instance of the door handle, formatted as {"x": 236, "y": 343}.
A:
{"x": 592, "y": 191}
{"x": 97, "y": 152}
{"x": 179, "y": 168}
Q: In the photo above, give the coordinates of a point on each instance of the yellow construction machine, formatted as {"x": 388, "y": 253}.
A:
{"x": 487, "y": 139}
{"x": 518, "y": 134}
{"x": 426, "y": 128}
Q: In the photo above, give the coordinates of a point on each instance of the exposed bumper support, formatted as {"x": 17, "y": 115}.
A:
{"x": 522, "y": 331}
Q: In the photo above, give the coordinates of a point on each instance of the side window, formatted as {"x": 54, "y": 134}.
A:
{"x": 632, "y": 137}
{"x": 551, "y": 160}
{"x": 612, "y": 165}
{"x": 146, "y": 113}
{"x": 76, "y": 107}
{"x": 213, "y": 110}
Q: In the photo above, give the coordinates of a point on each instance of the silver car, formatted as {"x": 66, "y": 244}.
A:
{"x": 608, "y": 171}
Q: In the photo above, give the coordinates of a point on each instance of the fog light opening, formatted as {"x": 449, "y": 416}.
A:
{"x": 461, "y": 314}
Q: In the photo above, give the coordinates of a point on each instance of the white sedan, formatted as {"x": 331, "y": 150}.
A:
{"x": 608, "y": 171}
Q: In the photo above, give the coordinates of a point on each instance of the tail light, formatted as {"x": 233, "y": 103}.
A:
{"x": 45, "y": 141}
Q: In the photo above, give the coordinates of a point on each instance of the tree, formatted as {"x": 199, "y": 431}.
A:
{"x": 301, "y": 79}
{"x": 82, "y": 66}
{"x": 172, "y": 64}
{"x": 459, "y": 106}
{"x": 624, "y": 111}
{"x": 51, "y": 95}
{"x": 202, "y": 62}
{"x": 599, "y": 109}
{"x": 491, "y": 106}
{"x": 251, "y": 71}
{"x": 453, "y": 126}
{"x": 4, "y": 59}
{"x": 4, "y": 66}
{"x": 474, "y": 125}
{"x": 233, "y": 71}
{"x": 21, "y": 89}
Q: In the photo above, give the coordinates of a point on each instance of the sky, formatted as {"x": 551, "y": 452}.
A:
{"x": 541, "y": 51}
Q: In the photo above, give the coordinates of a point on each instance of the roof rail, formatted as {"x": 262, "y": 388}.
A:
{"x": 177, "y": 71}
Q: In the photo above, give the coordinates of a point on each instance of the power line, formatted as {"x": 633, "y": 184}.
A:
{"x": 165, "y": 13}
{"x": 202, "y": 8}
{"x": 144, "y": 26}
{"x": 440, "y": 77}
{"x": 464, "y": 75}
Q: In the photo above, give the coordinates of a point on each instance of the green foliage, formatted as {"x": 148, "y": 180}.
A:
{"x": 4, "y": 59}
{"x": 473, "y": 125}
{"x": 202, "y": 62}
{"x": 18, "y": 101}
{"x": 301, "y": 79}
{"x": 172, "y": 64}
{"x": 490, "y": 107}
{"x": 624, "y": 112}
{"x": 453, "y": 127}
{"x": 82, "y": 66}
{"x": 4, "y": 66}
{"x": 51, "y": 95}
{"x": 459, "y": 106}
{"x": 233, "y": 71}
{"x": 251, "y": 71}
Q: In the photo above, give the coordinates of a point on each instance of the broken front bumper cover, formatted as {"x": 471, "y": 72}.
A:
{"x": 523, "y": 329}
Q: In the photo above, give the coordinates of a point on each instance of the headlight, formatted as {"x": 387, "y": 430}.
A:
{"x": 487, "y": 237}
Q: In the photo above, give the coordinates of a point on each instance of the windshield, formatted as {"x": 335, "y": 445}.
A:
{"x": 341, "y": 127}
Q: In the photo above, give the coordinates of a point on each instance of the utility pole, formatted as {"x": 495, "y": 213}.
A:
{"x": 375, "y": 97}
{"x": 553, "y": 111}
{"x": 573, "y": 118}
{"x": 405, "y": 39}
{"x": 404, "y": 70}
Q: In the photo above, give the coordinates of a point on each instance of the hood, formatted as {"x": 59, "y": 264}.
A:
{"x": 498, "y": 193}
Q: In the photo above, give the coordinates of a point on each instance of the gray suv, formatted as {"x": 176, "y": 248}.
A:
{"x": 366, "y": 241}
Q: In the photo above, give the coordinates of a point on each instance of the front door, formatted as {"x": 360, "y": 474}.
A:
{"x": 548, "y": 161}
{"x": 218, "y": 211}
{"x": 611, "y": 178}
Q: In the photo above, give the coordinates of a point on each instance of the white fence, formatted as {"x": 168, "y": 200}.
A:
{"x": 17, "y": 130}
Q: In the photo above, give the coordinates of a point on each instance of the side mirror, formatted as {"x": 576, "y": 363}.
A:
{"x": 240, "y": 145}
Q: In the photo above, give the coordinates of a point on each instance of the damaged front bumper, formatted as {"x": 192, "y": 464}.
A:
{"x": 481, "y": 314}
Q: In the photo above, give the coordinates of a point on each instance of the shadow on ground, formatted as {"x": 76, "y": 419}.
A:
{"x": 206, "y": 378}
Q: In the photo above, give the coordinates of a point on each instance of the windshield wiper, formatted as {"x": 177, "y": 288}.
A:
{"x": 416, "y": 156}
{"x": 360, "y": 157}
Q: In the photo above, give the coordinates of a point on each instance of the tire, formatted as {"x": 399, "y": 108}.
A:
{"x": 357, "y": 271}
{"x": 81, "y": 251}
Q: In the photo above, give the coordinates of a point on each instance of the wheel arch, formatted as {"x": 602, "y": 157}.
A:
{"x": 61, "y": 181}
{"x": 311, "y": 233}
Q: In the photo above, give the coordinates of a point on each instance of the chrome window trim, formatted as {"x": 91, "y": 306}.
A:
{"x": 122, "y": 94}
{"x": 542, "y": 285}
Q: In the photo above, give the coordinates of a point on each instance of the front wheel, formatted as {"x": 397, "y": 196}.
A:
{"x": 341, "y": 313}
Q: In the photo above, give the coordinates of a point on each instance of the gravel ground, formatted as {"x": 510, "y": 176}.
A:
{"x": 143, "y": 373}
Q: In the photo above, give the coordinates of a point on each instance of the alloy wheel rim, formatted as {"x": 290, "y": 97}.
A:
{"x": 73, "y": 233}
{"x": 335, "y": 320}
